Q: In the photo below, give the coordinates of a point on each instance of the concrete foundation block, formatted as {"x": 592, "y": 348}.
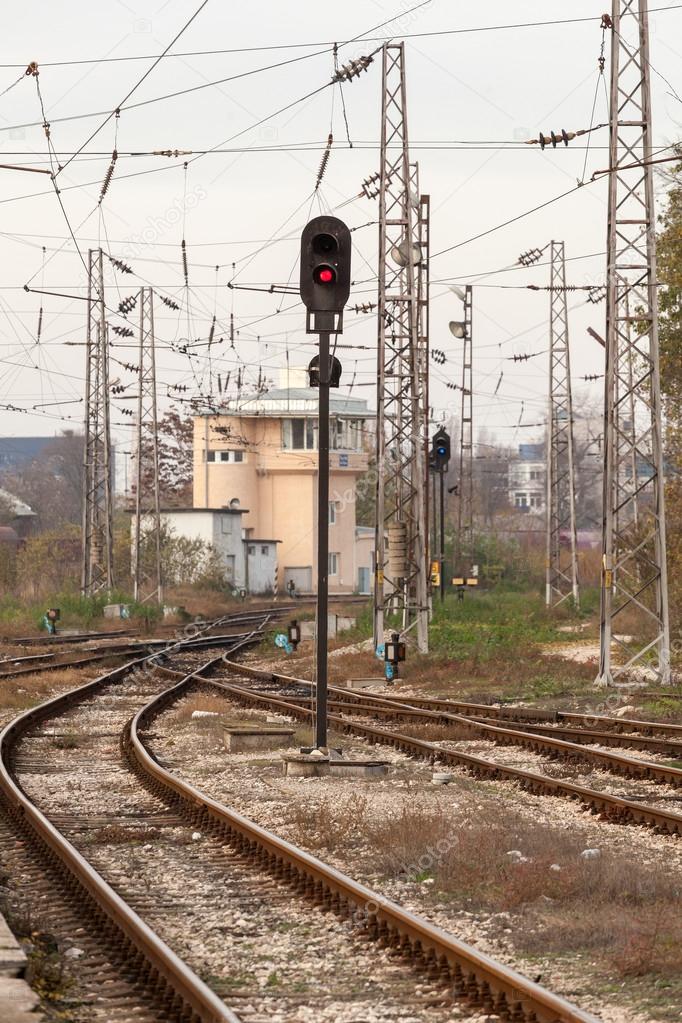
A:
{"x": 344, "y": 622}
{"x": 359, "y": 768}
{"x": 114, "y": 610}
{"x": 18, "y": 1003}
{"x": 305, "y": 765}
{"x": 365, "y": 683}
{"x": 12, "y": 957}
{"x": 245, "y": 739}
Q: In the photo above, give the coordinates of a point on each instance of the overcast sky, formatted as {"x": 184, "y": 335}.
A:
{"x": 493, "y": 88}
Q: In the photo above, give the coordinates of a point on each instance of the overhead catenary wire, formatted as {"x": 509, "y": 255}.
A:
{"x": 330, "y": 43}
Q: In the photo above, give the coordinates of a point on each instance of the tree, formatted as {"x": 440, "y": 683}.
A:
{"x": 52, "y": 485}
{"x": 176, "y": 459}
{"x": 669, "y": 252}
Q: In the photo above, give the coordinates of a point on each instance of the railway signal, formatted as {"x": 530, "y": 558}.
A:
{"x": 324, "y": 288}
{"x": 438, "y": 463}
{"x": 440, "y": 451}
{"x": 325, "y": 266}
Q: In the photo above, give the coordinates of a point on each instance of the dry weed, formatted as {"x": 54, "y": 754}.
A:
{"x": 328, "y": 824}
{"x": 560, "y": 898}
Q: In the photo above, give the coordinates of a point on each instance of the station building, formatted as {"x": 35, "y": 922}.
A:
{"x": 261, "y": 453}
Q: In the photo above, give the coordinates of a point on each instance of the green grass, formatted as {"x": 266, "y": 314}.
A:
{"x": 77, "y": 611}
{"x": 487, "y": 625}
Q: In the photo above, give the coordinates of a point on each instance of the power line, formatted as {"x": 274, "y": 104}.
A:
{"x": 330, "y": 43}
{"x": 137, "y": 85}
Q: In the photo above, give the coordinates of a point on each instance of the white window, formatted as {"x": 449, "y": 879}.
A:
{"x": 225, "y": 456}
{"x": 299, "y": 434}
{"x": 332, "y": 513}
{"x": 535, "y": 474}
{"x": 252, "y": 549}
{"x": 535, "y": 501}
{"x": 346, "y": 434}
{"x": 265, "y": 550}
{"x": 521, "y": 500}
{"x": 334, "y": 560}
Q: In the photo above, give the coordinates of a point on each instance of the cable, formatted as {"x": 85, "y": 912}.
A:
{"x": 136, "y": 86}
{"x": 330, "y": 42}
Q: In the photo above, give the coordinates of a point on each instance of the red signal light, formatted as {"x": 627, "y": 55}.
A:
{"x": 324, "y": 275}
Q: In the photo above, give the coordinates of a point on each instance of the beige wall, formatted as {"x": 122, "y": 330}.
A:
{"x": 279, "y": 490}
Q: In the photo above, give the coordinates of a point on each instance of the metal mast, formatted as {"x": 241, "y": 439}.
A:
{"x": 422, "y": 230}
{"x": 97, "y": 540}
{"x": 146, "y": 559}
{"x": 401, "y": 540}
{"x": 562, "y": 552}
{"x": 634, "y": 575}
{"x": 465, "y": 513}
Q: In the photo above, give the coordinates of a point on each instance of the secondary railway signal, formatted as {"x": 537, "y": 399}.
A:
{"x": 440, "y": 451}
{"x": 438, "y": 463}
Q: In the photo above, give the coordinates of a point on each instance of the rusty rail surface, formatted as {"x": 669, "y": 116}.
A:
{"x": 513, "y": 713}
{"x": 613, "y": 808}
{"x": 165, "y": 976}
{"x": 470, "y": 973}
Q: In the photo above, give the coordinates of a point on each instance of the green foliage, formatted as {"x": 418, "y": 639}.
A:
{"x": 49, "y": 562}
{"x": 489, "y": 624}
{"x": 669, "y": 254}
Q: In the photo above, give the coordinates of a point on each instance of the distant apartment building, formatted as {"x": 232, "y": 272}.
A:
{"x": 527, "y": 479}
{"x": 262, "y": 451}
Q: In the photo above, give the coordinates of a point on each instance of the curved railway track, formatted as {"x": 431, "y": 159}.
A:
{"x": 613, "y": 808}
{"x": 145, "y": 977}
{"x": 130, "y": 964}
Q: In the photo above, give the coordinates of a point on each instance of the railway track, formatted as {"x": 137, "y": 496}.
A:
{"x": 39, "y": 663}
{"x": 586, "y": 722}
{"x": 126, "y": 968}
{"x": 125, "y": 958}
{"x": 615, "y": 809}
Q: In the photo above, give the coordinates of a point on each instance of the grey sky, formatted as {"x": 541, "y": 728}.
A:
{"x": 489, "y": 86}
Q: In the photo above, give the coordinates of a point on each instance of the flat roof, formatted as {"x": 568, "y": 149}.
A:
{"x": 220, "y": 511}
{"x": 291, "y": 400}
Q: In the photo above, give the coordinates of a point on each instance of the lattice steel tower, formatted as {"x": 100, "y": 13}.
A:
{"x": 422, "y": 229}
{"x": 465, "y": 486}
{"x": 401, "y": 541}
{"x": 146, "y": 555}
{"x": 562, "y": 546}
{"x": 97, "y": 540}
{"x": 634, "y": 577}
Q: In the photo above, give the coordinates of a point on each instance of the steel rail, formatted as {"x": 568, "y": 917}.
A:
{"x": 646, "y": 743}
{"x": 474, "y": 975}
{"x": 166, "y": 977}
{"x": 125, "y": 650}
{"x": 613, "y": 808}
{"x": 504, "y": 712}
{"x": 615, "y": 763}
{"x": 391, "y": 708}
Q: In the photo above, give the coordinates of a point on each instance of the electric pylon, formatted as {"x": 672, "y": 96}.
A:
{"x": 562, "y": 543}
{"x": 465, "y": 488}
{"x": 97, "y": 541}
{"x": 146, "y": 555}
{"x": 634, "y": 575}
{"x": 401, "y": 543}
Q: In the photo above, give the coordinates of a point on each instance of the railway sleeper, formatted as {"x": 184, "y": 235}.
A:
{"x": 366, "y": 922}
